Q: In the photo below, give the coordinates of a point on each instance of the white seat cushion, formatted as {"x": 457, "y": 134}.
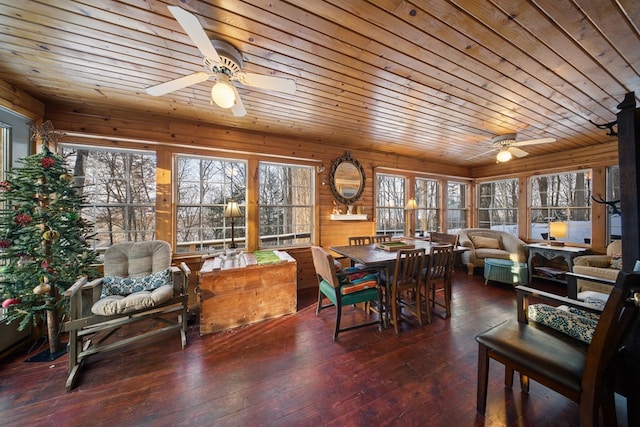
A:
{"x": 118, "y": 304}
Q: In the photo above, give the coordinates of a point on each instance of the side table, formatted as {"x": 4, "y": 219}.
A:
{"x": 552, "y": 262}
{"x": 505, "y": 271}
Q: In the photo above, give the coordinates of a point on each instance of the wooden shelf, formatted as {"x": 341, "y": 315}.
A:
{"x": 349, "y": 217}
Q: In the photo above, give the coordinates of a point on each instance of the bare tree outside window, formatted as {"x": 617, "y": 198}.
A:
{"x": 498, "y": 205}
{"x": 204, "y": 186}
{"x": 563, "y": 198}
{"x": 120, "y": 187}
{"x": 285, "y": 204}
{"x": 456, "y": 206}
{"x": 390, "y": 202}
{"x": 428, "y": 206}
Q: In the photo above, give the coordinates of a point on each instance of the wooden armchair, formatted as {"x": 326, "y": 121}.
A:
{"x": 139, "y": 283}
{"x": 582, "y": 372}
{"x": 342, "y": 290}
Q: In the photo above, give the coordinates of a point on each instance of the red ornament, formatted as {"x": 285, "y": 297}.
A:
{"x": 5, "y": 243}
{"x": 23, "y": 219}
{"x": 5, "y": 186}
{"x": 9, "y": 302}
{"x": 47, "y": 162}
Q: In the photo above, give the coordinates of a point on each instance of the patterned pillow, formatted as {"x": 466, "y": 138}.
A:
{"x": 616, "y": 262}
{"x": 365, "y": 282}
{"x": 572, "y": 324}
{"x": 114, "y": 285}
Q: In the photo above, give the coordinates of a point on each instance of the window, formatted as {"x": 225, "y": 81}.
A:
{"x": 285, "y": 204}
{"x": 456, "y": 207}
{"x": 120, "y": 191}
{"x": 614, "y": 222}
{"x": 390, "y": 201}
{"x": 562, "y": 198}
{"x": 204, "y": 186}
{"x": 498, "y": 205}
{"x": 427, "y": 200}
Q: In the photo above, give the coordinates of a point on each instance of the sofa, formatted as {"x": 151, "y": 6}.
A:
{"x": 485, "y": 243}
{"x": 602, "y": 266}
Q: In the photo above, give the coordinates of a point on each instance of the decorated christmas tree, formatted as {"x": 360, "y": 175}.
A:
{"x": 44, "y": 245}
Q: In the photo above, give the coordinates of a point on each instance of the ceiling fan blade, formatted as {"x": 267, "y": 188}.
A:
{"x": 517, "y": 152}
{"x": 176, "y": 84}
{"x": 532, "y": 142}
{"x": 194, "y": 30}
{"x": 279, "y": 84}
{"x": 238, "y": 108}
{"x": 481, "y": 154}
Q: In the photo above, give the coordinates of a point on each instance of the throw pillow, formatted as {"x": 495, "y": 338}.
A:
{"x": 485, "y": 242}
{"x": 616, "y": 261}
{"x": 365, "y": 282}
{"x": 114, "y": 285}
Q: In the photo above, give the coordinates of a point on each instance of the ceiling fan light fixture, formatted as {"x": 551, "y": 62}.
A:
{"x": 504, "y": 155}
{"x": 222, "y": 92}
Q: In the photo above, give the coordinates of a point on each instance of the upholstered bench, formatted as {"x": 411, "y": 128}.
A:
{"x": 506, "y": 271}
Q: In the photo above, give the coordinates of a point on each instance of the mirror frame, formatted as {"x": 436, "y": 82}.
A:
{"x": 334, "y": 167}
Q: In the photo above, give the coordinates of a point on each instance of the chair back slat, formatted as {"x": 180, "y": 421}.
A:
{"x": 408, "y": 268}
{"x": 380, "y": 238}
{"x": 359, "y": 240}
{"x": 436, "y": 237}
{"x": 440, "y": 262}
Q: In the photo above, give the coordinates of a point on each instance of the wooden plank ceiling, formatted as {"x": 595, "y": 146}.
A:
{"x": 431, "y": 79}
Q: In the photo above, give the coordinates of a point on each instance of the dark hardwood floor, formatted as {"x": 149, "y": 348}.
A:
{"x": 289, "y": 372}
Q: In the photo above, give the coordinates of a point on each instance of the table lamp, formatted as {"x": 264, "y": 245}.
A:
{"x": 411, "y": 207}
{"x": 557, "y": 230}
{"x": 232, "y": 210}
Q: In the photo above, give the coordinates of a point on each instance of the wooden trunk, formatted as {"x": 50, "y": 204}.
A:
{"x": 240, "y": 293}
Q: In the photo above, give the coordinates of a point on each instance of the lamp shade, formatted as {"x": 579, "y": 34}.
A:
{"x": 222, "y": 92}
{"x": 232, "y": 210}
{"x": 558, "y": 229}
{"x": 411, "y": 205}
{"x": 504, "y": 155}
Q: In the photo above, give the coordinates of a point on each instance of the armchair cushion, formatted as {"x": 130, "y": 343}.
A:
{"x": 115, "y": 285}
{"x": 119, "y": 304}
{"x": 485, "y": 242}
{"x": 571, "y": 321}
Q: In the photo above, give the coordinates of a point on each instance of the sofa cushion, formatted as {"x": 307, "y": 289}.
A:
{"x": 485, "y": 242}
{"x": 114, "y": 285}
{"x": 119, "y": 304}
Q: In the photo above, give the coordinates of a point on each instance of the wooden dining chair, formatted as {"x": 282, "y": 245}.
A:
{"x": 380, "y": 238}
{"x": 359, "y": 240}
{"x": 342, "y": 289}
{"x": 579, "y": 371}
{"x": 436, "y": 237}
{"x": 406, "y": 285}
{"x": 438, "y": 277}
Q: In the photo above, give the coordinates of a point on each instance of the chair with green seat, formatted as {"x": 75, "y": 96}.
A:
{"x": 345, "y": 289}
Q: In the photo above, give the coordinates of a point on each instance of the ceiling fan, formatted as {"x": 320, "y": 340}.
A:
{"x": 507, "y": 146}
{"x": 223, "y": 62}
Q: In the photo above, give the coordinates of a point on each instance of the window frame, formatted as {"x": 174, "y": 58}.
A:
{"x": 220, "y": 231}
{"x": 299, "y": 236}
{"x": 498, "y": 215}
{"x": 91, "y": 207}
{"x": 559, "y": 212}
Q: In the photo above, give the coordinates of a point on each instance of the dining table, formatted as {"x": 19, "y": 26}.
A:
{"x": 374, "y": 255}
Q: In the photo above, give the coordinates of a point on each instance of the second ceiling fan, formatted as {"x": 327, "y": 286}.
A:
{"x": 223, "y": 62}
{"x": 507, "y": 146}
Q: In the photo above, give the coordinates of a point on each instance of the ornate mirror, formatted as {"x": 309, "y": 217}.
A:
{"x": 347, "y": 179}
